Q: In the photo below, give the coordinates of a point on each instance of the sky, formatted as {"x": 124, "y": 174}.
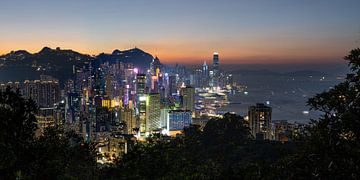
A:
{"x": 188, "y": 31}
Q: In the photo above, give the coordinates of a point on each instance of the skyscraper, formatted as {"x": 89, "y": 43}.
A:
{"x": 216, "y": 62}
{"x": 153, "y": 112}
{"x": 188, "y": 98}
{"x": 215, "y": 69}
{"x": 149, "y": 113}
{"x": 155, "y": 67}
{"x": 142, "y": 114}
{"x": 172, "y": 85}
{"x": 127, "y": 115}
{"x": 140, "y": 84}
{"x": 260, "y": 121}
{"x": 205, "y": 75}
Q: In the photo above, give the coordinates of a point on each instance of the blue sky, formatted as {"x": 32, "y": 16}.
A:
{"x": 242, "y": 31}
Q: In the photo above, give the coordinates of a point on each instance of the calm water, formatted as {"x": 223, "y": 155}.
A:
{"x": 286, "y": 93}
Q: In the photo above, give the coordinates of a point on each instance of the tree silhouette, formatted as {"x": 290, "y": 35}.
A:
{"x": 57, "y": 154}
{"x": 17, "y": 127}
{"x": 331, "y": 148}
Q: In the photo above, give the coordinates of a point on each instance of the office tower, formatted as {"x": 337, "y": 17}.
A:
{"x": 99, "y": 82}
{"x": 178, "y": 120}
{"x": 211, "y": 79}
{"x": 188, "y": 98}
{"x": 205, "y": 70}
{"x": 216, "y": 62}
{"x": 154, "y": 84}
{"x": 142, "y": 114}
{"x": 216, "y": 71}
{"x": 260, "y": 121}
{"x": 205, "y": 75}
{"x": 153, "y": 112}
{"x": 155, "y": 67}
{"x": 141, "y": 84}
{"x": 127, "y": 115}
{"x": 172, "y": 85}
{"x": 109, "y": 89}
{"x": 164, "y": 115}
{"x": 197, "y": 78}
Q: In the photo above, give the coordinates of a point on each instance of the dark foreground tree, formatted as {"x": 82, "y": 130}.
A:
{"x": 17, "y": 127}
{"x": 331, "y": 148}
{"x": 223, "y": 150}
{"x": 63, "y": 155}
{"x": 54, "y": 155}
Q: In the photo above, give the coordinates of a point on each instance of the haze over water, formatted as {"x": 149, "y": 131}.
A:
{"x": 286, "y": 88}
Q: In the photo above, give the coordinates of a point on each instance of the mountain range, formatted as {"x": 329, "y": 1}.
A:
{"x": 20, "y": 65}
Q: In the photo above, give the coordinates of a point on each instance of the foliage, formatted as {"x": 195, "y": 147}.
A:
{"x": 56, "y": 154}
{"x": 63, "y": 155}
{"x": 331, "y": 150}
{"x": 224, "y": 149}
{"x": 17, "y": 127}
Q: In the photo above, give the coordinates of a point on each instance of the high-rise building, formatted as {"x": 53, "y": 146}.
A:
{"x": 141, "y": 84}
{"x": 216, "y": 71}
{"x": 153, "y": 112}
{"x": 149, "y": 113}
{"x": 260, "y": 121}
{"x": 188, "y": 98}
{"x": 172, "y": 85}
{"x": 109, "y": 86}
{"x": 127, "y": 115}
{"x": 216, "y": 62}
{"x": 205, "y": 75}
{"x": 142, "y": 114}
{"x": 44, "y": 92}
{"x": 178, "y": 120}
{"x": 155, "y": 67}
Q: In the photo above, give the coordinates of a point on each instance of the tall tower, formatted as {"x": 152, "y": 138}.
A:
{"x": 216, "y": 62}
{"x": 216, "y": 71}
{"x": 205, "y": 75}
{"x": 140, "y": 84}
{"x": 188, "y": 98}
{"x": 260, "y": 121}
{"x": 172, "y": 85}
{"x": 153, "y": 112}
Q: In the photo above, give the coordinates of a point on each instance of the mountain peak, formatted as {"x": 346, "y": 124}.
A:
{"x": 116, "y": 52}
{"x": 45, "y": 50}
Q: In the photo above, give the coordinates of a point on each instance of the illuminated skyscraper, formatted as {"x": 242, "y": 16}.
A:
{"x": 188, "y": 98}
{"x": 216, "y": 70}
{"x": 153, "y": 112}
{"x": 205, "y": 75}
{"x": 155, "y": 67}
{"x": 142, "y": 113}
{"x": 260, "y": 121}
{"x": 205, "y": 69}
{"x": 127, "y": 115}
{"x": 149, "y": 113}
{"x": 216, "y": 61}
{"x": 140, "y": 84}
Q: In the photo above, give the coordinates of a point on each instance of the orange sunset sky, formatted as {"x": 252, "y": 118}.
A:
{"x": 187, "y": 32}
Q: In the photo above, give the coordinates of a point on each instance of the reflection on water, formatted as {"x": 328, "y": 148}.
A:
{"x": 286, "y": 95}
